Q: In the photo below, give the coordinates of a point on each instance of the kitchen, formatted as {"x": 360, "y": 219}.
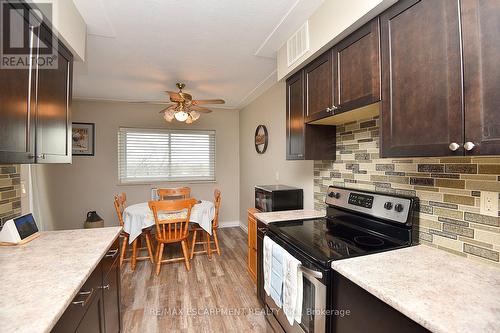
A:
{"x": 381, "y": 117}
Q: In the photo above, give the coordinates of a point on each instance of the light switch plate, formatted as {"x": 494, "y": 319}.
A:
{"x": 489, "y": 203}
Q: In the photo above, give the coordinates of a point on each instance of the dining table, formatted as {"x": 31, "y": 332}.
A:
{"x": 138, "y": 217}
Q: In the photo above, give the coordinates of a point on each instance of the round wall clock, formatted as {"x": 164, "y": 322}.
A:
{"x": 261, "y": 139}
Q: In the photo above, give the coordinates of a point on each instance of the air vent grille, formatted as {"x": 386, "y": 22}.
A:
{"x": 298, "y": 44}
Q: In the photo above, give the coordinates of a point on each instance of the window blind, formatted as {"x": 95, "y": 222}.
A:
{"x": 146, "y": 155}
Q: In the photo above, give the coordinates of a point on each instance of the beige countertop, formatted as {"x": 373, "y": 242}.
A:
{"x": 40, "y": 279}
{"x": 287, "y": 215}
{"x": 441, "y": 291}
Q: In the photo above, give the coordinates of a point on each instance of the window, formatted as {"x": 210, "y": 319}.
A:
{"x": 146, "y": 155}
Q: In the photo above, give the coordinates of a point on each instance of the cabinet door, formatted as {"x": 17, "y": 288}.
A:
{"x": 295, "y": 117}
{"x": 53, "y": 134}
{"x": 481, "y": 50}
{"x": 319, "y": 87}
{"x": 111, "y": 299}
{"x": 358, "y": 68}
{"x": 422, "y": 111}
{"x": 17, "y": 91}
{"x": 93, "y": 320}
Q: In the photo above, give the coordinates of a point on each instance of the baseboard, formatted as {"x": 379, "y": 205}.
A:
{"x": 229, "y": 224}
{"x": 244, "y": 227}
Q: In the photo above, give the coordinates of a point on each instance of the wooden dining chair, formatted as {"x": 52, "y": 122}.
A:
{"x": 215, "y": 224}
{"x": 171, "y": 230}
{"x": 120, "y": 202}
{"x": 174, "y": 193}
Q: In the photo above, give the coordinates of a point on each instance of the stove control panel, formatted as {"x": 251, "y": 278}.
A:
{"x": 361, "y": 200}
{"x": 381, "y": 205}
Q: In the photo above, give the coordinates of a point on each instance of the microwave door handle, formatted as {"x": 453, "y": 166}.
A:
{"x": 310, "y": 272}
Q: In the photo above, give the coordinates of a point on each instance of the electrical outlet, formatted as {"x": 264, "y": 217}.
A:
{"x": 489, "y": 203}
{"x": 277, "y": 176}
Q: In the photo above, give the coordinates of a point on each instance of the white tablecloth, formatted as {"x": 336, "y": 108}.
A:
{"x": 139, "y": 216}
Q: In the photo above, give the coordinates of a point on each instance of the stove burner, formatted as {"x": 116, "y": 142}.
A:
{"x": 369, "y": 241}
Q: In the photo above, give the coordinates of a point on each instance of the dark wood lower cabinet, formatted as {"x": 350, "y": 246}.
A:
{"x": 93, "y": 320}
{"x": 111, "y": 299}
{"x": 96, "y": 307}
{"x": 367, "y": 313}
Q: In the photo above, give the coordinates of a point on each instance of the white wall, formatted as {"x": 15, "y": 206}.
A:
{"x": 67, "y": 192}
{"x": 330, "y": 23}
{"x": 70, "y": 25}
{"x": 270, "y": 110}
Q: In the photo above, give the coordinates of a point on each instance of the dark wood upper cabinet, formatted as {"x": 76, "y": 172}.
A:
{"x": 319, "y": 86}
{"x": 295, "y": 117}
{"x": 53, "y": 117}
{"x": 481, "y": 52}
{"x": 35, "y": 102}
{"x": 305, "y": 141}
{"x": 17, "y": 113}
{"x": 357, "y": 68}
{"x": 422, "y": 102}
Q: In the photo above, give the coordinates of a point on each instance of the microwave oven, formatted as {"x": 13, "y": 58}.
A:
{"x": 272, "y": 198}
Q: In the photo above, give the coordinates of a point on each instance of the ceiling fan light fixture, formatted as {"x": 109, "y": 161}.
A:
{"x": 181, "y": 116}
{"x": 189, "y": 120}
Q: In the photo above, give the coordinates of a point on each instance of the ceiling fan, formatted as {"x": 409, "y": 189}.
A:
{"x": 184, "y": 107}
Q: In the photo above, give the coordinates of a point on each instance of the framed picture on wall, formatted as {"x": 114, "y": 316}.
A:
{"x": 83, "y": 138}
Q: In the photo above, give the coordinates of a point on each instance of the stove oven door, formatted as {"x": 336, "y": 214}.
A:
{"x": 313, "y": 306}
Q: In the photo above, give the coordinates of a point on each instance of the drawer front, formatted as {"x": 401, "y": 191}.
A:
{"x": 110, "y": 256}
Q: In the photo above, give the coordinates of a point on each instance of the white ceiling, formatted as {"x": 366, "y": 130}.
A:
{"x": 220, "y": 48}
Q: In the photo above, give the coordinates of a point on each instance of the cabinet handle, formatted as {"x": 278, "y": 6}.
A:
{"x": 454, "y": 146}
{"x": 328, "y": 110}
{"x": 85, "y": 301}
{"x": 104, "y": 287}
{"x": 300, "y": 155}
{"x": 334, "y": 108}
{"x": 112, "y": 254}
{"x": 469, "y": 146}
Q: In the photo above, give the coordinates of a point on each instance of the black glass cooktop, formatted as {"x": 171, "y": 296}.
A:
{"x": 325, "y": 240}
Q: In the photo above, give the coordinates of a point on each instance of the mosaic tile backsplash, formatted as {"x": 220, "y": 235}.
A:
{"x": 10, "y": 192}
{"x": 449, "y": 189}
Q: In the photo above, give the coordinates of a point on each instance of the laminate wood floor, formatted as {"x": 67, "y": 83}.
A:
{"x": 214, "y": 296}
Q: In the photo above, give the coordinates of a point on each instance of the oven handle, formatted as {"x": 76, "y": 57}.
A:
{"x": 310, "y": 272}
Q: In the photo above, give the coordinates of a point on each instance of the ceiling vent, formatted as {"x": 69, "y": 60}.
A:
{"x": 298, "y": 44}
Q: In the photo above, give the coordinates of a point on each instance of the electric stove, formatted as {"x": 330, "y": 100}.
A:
{"x": 357, "y": 223}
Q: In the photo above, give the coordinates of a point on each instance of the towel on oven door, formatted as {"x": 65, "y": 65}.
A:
{"x": 277, "y": 274}
{"x": 266, "y": 265}
{"x": 292, "y": 288}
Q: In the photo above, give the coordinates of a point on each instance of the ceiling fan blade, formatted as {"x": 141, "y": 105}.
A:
{"x": 175, "y": 96}
{"x": 171, "y": 107}
{"x": 200, "y": 109}
{"x": 208, "y": 101}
